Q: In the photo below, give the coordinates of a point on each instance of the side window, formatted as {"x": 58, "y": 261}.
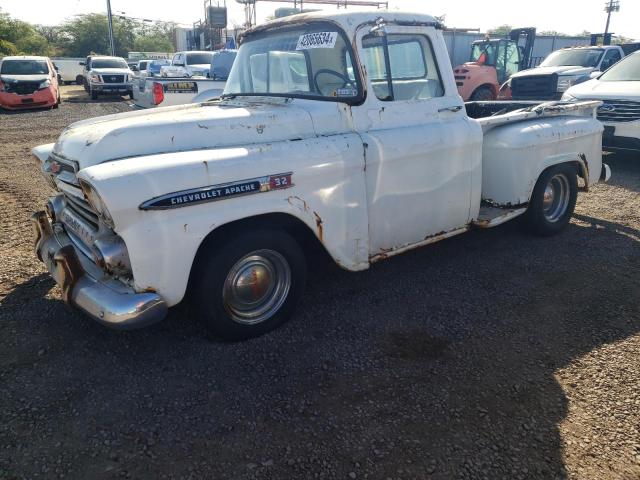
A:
{"x": 612, "y": 56}
{"x": 411, "y": 72}
{"x": 512, "y": 60}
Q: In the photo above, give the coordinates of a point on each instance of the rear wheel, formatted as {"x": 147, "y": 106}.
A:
{"x": 553, "y": 200}
{"x": 250, "y": 284}
{"x": 482, "y": 94}
{"x": 79, "y": 80}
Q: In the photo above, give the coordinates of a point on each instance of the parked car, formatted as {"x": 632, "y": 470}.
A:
{"x": 221, "y": 63}
{"x": 561, "y": 70}
{"x": 222, "y": 198}
{"x": 163, "y": 92}
{"x": 107, "y": 75}
{"x": 153, "y": 69}
{"x": 69, "y": 69}
{"x": 188, "y": 64}
{"x": 28, "y": 82}
{"x": 619, "y": 89}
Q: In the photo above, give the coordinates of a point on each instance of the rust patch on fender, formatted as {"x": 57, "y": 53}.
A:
{"x": 319, "y": 226}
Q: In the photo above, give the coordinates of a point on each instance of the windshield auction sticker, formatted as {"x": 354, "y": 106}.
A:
{"x": 317, "y": 40}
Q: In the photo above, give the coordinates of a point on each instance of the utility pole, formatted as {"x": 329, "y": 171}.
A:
{"x": 110, "y": 21}
{"x": 610, "y": 6}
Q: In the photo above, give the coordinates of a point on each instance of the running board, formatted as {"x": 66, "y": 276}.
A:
{"x": 490, "y": 217}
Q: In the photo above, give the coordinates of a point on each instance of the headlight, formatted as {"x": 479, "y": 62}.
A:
{"x": 44, "y": 84}
{"x": 95, "y": 78}
{"x": 567, "y": 97}
{"x": 565, "y": 83}
{"x": 96, "y": 203}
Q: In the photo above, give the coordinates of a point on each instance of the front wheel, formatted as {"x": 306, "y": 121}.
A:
{"x": 250, "y": 284}
{"x": 553, "y": 200}
{"x": 94, "y": 95}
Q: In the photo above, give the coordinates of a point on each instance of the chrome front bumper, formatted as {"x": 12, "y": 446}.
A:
{"x": 108, "y": 301}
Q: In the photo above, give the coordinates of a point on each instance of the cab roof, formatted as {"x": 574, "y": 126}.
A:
{"x": 351, "y": 21}
{"x": 24, "y": 57}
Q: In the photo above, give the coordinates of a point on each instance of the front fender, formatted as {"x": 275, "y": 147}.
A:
{"x": 328, "y": 195}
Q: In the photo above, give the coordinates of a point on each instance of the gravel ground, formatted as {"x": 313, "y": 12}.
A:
{"x": 491, "y": 355}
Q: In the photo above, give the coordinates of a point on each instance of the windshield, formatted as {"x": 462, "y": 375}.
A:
{"x": 221, "y": 64}
{"x": 488, "y": 49}
{"x": 108, "y": 63}
{"x": 143, "y": 65}
{"x": 24, "y": 67}
{"x": 199, "y": 58}
{"x": 627, "y": 70}
{"x": 310, "y": 61}
{"x": 584, "y": 57}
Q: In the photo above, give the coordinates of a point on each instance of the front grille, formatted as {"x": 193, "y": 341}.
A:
{"x": 113, "y": 78}
{"x": 619, "y": 111}
{"x": 81, "y": 207}
{"x": 534, "y": 87}
{"x": 460, "y": 77}
{"x": 23, "y": 88}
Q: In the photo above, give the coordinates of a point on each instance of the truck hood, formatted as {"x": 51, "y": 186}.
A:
{"x": 111, "y": 71}
{"x": 189, "y": 127}
{"x": 40, "y": 77}
{"x": 562, "y": 70}
{"x": 597, "y": 90}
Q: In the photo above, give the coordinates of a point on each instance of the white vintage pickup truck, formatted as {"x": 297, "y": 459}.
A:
{"x": 362, "y": 146}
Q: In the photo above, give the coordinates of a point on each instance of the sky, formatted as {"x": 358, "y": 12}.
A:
{"x": 568, "y": 16}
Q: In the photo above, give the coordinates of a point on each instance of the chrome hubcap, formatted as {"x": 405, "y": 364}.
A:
{"x": 256, "y": 287}
{"x": 555, "y": 200}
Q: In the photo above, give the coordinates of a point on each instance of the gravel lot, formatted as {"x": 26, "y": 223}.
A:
{"x": 491, "y": 355}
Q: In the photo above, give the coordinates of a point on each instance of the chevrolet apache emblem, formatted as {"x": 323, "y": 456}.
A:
{"x": 212, "y": 193}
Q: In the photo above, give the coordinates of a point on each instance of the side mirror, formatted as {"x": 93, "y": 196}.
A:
{"x": 56, "y": 67}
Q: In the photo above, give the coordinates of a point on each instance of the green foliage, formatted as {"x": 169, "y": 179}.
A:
{"x": 18, "y": 37}
{"x": 502, "y": 30}
{"x": 83, "y": 35}
{"x": 152, "y": 43}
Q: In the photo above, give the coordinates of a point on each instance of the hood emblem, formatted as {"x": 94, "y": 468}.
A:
{"x": 54, "y": 167}
{"x": 607, "y": 107}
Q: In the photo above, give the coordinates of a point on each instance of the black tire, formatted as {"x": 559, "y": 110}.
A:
{"x": 549, "y": 213}
{"x": 85, "y": 85}
{"x": 482, "y": 94}
{"x": 57, "y": 101}
{"x": 130, "y": 94}
{"x": 79, "y": 80}
{"x": 94, "y": 95}
{"x": 215, "y": 269}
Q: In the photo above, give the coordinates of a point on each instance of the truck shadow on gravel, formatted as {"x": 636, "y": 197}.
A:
{"x": 440, "y": 363}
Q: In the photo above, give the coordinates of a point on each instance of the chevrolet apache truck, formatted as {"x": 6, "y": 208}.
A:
{"x": 362, "y": 147}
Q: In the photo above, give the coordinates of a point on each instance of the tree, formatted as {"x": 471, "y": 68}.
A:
{"x": 152, "y": 43}
{"x": 502, "y": 30}
{"x": 552, "y": 33}
{"x": 90, "y": 34}
{"x": 18, "y": 37}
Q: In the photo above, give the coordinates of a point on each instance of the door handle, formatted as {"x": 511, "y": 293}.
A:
{"x": 453, "y": 109}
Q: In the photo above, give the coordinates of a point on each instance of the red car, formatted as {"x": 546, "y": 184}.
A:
{"x": 28, "y": 82}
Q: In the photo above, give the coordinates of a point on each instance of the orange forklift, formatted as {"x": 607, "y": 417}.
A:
{"x": 492, "y": 62}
